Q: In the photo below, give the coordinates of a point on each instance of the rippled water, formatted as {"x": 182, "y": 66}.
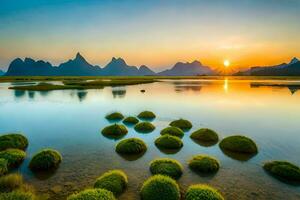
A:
{"x": 70, "y": 121}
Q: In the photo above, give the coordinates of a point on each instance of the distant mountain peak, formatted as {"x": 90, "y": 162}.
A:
{"x": 79, "y": 57}
{"x": 294, "y": 60}
{"x": 119, "y": 61}
{"x": 196, "y": 62}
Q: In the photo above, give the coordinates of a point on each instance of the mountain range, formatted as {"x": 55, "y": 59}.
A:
{"x": 116, "y": 67}
{"x": 284, "y": 69}
{"x": 1, "y": 72}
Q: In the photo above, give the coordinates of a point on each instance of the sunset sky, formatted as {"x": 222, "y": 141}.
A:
{"x": 154, "y": 33}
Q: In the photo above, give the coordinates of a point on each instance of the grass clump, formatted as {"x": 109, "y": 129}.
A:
{"x": 205, "y": 137}
{"x": 166, "y": 166}
{"x": 115, "y": 131}
{"x": 10, "y": 182}
{"x": 130, "y": 120}
{"x": 13, "y": 141}
{"x": 168, "y": 142}
{"x": 160, "y": 187}
{"x": 172, "y": 130}
{"x": 3, "y": 166}
{"x": 14, "y": 157}
{"x": 146, "y": 115}
{"x": 114, "y": 116}
{"x": 199, "y": 191}
{"x": 115, "y": 181}
{"x": 17, "y": 195}
{"x": 182, "y": 124}
{"x": 144, "y": 127}
{"x": 131, "y": 146}
{"x": 44, "y": 160}
{"x": 93, "y": 194}
{"x": 204, "y": 164}
{"x": 239, "y": 144}
{"x": 283, "y": 170}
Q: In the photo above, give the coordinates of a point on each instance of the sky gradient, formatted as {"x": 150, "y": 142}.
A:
{"x": 155, "y": 33}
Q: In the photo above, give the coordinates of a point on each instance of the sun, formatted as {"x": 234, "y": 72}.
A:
{"x": 226, "y": 63}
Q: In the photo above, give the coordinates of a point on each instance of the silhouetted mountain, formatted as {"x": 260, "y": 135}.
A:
{"x": 187, "y": 69}
{"x": 146, "y": 71}
{"x": 78, "y": 67}
{"x": 118, "y": 67}
{"x": 1, "y": 72}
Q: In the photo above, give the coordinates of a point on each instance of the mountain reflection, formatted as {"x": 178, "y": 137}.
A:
{"x": 118, "y": 92}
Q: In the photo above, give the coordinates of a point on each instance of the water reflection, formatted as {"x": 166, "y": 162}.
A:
{"x": 118, "y": 92}
{"x": 132, "y": 157}
{"x": 19, "y": 93}
{"x": 238, "y": 156}
{"x": 81, "y": 94}
{"x": 293, "y": 88}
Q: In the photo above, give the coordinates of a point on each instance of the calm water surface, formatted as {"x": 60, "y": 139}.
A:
{"x": 71, "y": 120}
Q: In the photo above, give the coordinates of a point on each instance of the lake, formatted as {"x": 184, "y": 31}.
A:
{"x": 268, "y": 111}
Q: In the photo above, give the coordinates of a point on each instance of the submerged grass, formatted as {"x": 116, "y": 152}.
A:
{"x": 283, "y": 170}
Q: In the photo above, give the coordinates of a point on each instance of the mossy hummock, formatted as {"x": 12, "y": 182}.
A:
{"x": 239, "y": 144}
{"x": 166, "y": 166}
{"x": 160, "y": 187}
{"x": 144, "y": 127}
{"x": 172, "y": 130}
{"x": 147, "y": 115}
{"x": 115, "y": 181}
{"x": 168, "y": 142}
{"x": 205, "y": 135}
{"x": 199, "y": 191}
{"x": 182, "y": 124}
{"x": 131, "y": 146}
{"x": 44, "y": 160}
{"x": 114, "y": 116}
{"x": 283, "y": 170}
{"x": 13, "y": 141}
{"x": 14, "y": 157}
{"x": 11, "y": 182}
{"x": 3, "y": 166}
{"x": 115, "y": 131}
{"x": 131, "y": 120}
{"x": 17, "y": 195}
{"x": 204, "y": 164}
{"x": 93, "y": 194}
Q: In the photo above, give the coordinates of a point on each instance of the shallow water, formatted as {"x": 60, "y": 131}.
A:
{"x": 70, "y": 121}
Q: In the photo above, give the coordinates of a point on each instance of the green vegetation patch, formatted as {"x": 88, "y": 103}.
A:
{"x": 10, "y": 182}
{"x": 3, "y": 166}
{"x": 115, "y": 181}
{"x": 166, "y": 166}
{"x": 131, "y": 120}
{"x": 205, "y": 137}
{"x": 46, "y": 159}
{"x": 114, "y": 116}
{"x": 14, "y": 157}
{"x": 14, "y": 141}
{"x": 115, "y": 131}
{"x": 93, "y": 194}
{"x": 182, "y": 124}
{"x": 172, "y": 130}
{"x": 146, "y": 115}
{"x": 204, "y": 164}
{"x": 160, "y": 187}
{"x": 283, "y": 170}
{"x": 239, "y": 144}
{"x": 17, "y": 195}
{"x": 168, "y": 142}
{"x": 131, "y": 146}
{"x": 205, "y": 192}
{"x": 144, "y": 127}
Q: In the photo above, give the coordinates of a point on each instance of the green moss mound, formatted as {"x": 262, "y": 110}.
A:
{"x": 205, "y": 135}
{"x": 114, "y": 116}
{"x": 283, "y": 170}
{"x": 160, "y": 187}
{"x": 144, "y": 127}
{"x": 130, "y": 120}
{"x": 93, "y": 194}
{"x": 17, "y": 195}
{"x": 146, "y": 115}
{"x": 168, "y": 142}
{"x": 14, "y": 157}
{"x": 131, "y": 146}
{"x": 115, "y": 131}
{"x": 204, "y": 164}
{"x": 239, "y": 144}
{"x": 115, "y": 181}
{"x": 44, "y": 160}
{"x": 3, "y": 166}
{"x": 13, "y": 141}
{"x": 182, "y": 124}
{"x": 205, "y": 192}
{"x": 172, "y": 130}
{"x": 166, "y": 166}
{"x": 10, "y": 182}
